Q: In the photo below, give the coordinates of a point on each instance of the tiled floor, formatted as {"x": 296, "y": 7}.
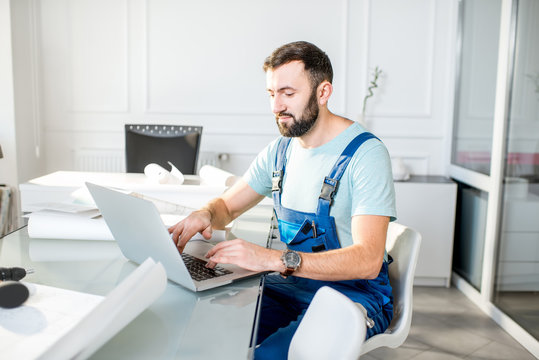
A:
{"x": 523, "y": 307}
{"x": 448, "y": 326}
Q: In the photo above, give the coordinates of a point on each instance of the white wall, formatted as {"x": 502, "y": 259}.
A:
{"x": 8, "y": 165}
{"x": 104, "y": 63}
{"x": 26, "y": 86}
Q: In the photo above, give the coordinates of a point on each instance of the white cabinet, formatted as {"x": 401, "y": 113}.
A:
{"x": 427, "y": 204}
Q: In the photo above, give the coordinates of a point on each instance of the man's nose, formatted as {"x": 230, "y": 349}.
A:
{"x": 277, "y": 105}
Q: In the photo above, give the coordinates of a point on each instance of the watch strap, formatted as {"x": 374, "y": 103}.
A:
{"x": 288, "y": 272}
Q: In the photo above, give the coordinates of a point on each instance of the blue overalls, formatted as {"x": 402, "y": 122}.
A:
{"x": 285, "y": 300}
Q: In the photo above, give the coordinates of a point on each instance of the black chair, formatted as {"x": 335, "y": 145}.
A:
{"x": 145, "y": 144}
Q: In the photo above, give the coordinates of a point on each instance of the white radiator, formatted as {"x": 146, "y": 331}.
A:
{"x": 208, "y": 158}
{"x": 113, "y": 160}
{"x": 100, "y": 160}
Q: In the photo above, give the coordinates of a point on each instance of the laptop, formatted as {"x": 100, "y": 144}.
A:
{"x": 140, "y": 233}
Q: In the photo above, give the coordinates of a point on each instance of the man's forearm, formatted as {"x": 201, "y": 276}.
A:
{"x": 335, "y": 265}
{"x": 353, "y": 262}
{"x": 219, "y": 214}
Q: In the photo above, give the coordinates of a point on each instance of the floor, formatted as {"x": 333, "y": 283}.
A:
{"x": 448, "y": 326}
{"x": 523, "y": 307}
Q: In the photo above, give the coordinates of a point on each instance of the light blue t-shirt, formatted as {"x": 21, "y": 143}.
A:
{"x": 366, "y": 187}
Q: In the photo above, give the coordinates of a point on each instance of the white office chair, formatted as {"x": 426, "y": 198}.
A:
{"x": 402, "y": 244}
{"x": 333, "y": 327}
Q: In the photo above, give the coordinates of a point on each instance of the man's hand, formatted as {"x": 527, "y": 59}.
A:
{"x": 217, "y": 213}
{"x": 246, "y": 255}
{"x": 197, "y": 222}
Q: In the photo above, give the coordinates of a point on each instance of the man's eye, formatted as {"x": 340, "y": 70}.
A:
{"x": 289, "y": 94}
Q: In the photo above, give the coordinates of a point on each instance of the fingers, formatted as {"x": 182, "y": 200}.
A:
{"x": 207, "y": 233}
{"x": 180, "y": 235}
{"x": 220, "y": 246}
{"x": 183, "y": 237}
{"x": 183, "y": 231}
{"x": 243, "y": 254}
{"x": 227, "y": 252}
{"x": 216, "y": 254}
{"x": 176, "y": 230}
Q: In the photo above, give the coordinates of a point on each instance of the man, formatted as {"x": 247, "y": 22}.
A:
{"x": 333, "y": 195}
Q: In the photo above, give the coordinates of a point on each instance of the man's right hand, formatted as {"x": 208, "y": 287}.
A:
{"x": 197, "y": 222}
{"x": 219, "y": 212}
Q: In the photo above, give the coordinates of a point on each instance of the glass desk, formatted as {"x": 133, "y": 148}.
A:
{"x": 214, "y": 324}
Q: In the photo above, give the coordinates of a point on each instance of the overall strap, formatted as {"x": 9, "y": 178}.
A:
{"x": 331, "y": 182}
{"x": 278, "y": 171}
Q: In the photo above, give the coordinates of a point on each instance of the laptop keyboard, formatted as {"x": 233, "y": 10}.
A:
{"x": 198, "y": 270}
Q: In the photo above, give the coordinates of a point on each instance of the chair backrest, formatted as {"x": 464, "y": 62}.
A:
{"x": 333, "y": 327}
{"x": 146, "y": 144}
{"x": 403, "y": 245}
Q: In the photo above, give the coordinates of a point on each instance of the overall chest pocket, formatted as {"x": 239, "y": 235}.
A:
{"x": 304, "y": 236}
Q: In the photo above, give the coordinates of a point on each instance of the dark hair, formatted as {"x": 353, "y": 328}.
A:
{"x": 316, "y": 62}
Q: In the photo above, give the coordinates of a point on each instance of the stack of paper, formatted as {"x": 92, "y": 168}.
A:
{"x": 62, "y": 324}
{"x": 84, "y": 222}
{"x": 67, "y": 221}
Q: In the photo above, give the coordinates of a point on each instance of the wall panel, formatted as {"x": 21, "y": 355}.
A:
{"x": 206, "y": 56}
{"x": 107, "y": 63}
{"x": 402, "y": 44}
{"x": 98, "y": 53}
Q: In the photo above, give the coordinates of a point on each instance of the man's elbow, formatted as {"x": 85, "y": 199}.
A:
{"x": 374, "y": 270}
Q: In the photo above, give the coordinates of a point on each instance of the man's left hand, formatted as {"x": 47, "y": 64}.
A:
{"x": 244, "y": 254}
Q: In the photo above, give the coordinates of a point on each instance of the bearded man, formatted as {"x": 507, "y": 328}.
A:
{"x": 333, "y": 195}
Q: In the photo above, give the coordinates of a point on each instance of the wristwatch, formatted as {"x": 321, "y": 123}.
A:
{"x": 291, "y": 260}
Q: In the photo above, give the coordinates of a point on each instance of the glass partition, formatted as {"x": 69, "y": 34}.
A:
{"x": 517, "y": 276}
{"x": 476, "y": 85}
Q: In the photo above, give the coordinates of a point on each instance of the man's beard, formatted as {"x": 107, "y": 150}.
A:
{"x": 301, "y": 126}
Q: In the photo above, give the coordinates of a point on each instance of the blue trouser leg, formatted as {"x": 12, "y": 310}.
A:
{"x": 283, "y": 307}
{"x": 285, "y": 301}
{"x": 275, "y": 346}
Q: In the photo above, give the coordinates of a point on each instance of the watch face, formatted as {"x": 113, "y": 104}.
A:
{"x": 291, "y": 259}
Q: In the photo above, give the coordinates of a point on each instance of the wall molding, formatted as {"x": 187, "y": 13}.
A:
{"x": 35, "y": 55}
{"x": 425, "y": 113}
{"x": 72, "y": 107}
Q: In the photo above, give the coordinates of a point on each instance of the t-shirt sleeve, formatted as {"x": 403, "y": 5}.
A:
{"x": 259, "y": 174}
{"x": 373, "y": 190}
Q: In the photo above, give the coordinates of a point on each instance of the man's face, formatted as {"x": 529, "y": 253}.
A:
{"x": 293, "y": 100}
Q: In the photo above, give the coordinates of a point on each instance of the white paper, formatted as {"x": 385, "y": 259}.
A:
{"x": 61, "y": 206}
{"x": 118, "y": 309}
{"x": 56, "y": 323}
{"x": 48, "y": 314}
{"x": 55, "y": 225}
{"x": 176, "y": 173}
{"x": 159, "y": 175}
{"x": 80, "y": 226}
{"x": 165, "y": 207}
{"x": 72, "y": 251}
{"x": 210, "y": 175}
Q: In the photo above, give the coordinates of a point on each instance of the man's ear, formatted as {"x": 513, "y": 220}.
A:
{"x": 324, "y": 91}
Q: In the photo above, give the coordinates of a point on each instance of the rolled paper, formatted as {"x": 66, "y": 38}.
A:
{"x": 210, "y": 175}
{"x": 160, "y": 175}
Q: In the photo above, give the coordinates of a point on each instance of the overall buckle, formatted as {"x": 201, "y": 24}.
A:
{"x": 329, "y": 188}
{"x": 277, "y": 181}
